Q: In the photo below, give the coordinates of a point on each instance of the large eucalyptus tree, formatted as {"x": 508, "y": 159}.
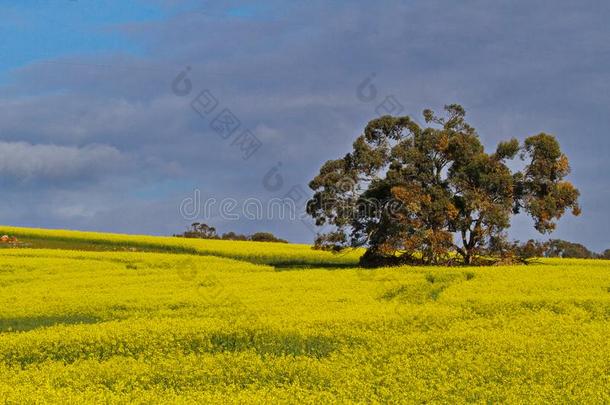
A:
{"x": 430, "y": 194}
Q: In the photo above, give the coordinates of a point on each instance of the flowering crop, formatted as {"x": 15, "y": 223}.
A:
{"x": 234, "y": 322}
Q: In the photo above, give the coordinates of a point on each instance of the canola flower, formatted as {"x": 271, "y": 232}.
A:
{"x": 252, "y": 325}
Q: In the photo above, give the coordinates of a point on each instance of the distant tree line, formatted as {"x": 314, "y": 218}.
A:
{"x": 205, "y": 231}
{"x": 565, "y": 249}
{"x": 521, "y": 252}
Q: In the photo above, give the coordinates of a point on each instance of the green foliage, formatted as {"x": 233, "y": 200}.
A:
{"x": 406, "y": 192}
{"x": 515, "y": 252}
{"x": 233, "y": 236}
{"x": 266, "y": 237}
{"x": 199, "y": 230}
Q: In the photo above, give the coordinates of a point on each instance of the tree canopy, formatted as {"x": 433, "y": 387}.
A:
{"x": 433, "y": 194}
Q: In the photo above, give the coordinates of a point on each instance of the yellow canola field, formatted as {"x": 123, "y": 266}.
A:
{"x": 200, "y": 327}
{"x": 256, "y": 252}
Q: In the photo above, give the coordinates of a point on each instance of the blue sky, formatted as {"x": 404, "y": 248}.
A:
{"x": 40, "y": 30}
{"x": 92, "y": 136}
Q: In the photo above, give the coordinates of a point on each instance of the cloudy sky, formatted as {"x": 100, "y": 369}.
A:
{"x": 99, "y": 132}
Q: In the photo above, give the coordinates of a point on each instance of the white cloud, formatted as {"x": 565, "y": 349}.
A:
{"x": 23, "y": 161}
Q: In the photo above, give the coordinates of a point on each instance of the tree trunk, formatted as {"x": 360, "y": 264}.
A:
{"x": 468, "y": 259}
